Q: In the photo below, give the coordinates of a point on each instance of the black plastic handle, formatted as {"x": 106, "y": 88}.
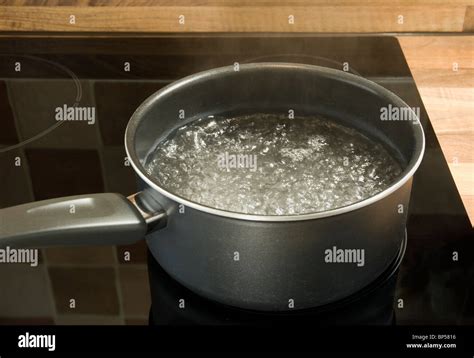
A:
{"x": 95, "y": 219}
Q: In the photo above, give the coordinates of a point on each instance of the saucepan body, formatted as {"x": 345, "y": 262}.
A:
{"x": 267, "y": 263}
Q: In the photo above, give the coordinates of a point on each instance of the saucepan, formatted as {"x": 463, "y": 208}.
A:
{"x": 269, "y": 263}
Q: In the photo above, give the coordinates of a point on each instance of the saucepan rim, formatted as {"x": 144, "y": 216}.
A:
{"x": 365, "y": 84}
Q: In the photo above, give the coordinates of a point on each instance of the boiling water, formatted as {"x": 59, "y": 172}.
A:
{"x": 270, "y": 165}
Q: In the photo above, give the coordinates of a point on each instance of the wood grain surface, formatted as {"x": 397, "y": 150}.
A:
{"x": 236, "y": 16}
{"x": 443, "y": 68}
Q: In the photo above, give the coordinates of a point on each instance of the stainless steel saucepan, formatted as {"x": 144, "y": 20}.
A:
{"x": 281, "y": 259}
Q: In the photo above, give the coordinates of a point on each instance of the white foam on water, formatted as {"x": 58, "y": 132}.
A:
{"x": 303, "y": 165}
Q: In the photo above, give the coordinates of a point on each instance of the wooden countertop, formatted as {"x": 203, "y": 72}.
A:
{"x": 443, "y": 68}
{"x": 237, "y": 15}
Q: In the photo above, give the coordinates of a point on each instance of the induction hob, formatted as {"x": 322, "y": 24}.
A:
{"x": 431, "y": 287}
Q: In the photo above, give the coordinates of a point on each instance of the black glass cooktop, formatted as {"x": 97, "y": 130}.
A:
{"x": 435, "y": 283}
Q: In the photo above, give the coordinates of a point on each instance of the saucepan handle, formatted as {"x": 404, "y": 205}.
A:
{"x": 94, "y": 219}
